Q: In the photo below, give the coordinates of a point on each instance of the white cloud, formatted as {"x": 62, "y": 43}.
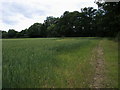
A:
{"x": 20, "y": 14}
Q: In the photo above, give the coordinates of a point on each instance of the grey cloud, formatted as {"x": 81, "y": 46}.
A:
{"x": 13, "y": 8}
{"x": 8, "y": 21}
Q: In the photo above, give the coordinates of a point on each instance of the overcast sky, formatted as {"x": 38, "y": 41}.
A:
{"x": 20, "y": 14}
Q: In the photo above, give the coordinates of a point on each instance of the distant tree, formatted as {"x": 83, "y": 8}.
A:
{"x": 78, "y": 24}
{"x": 66, "y": 24}
{"x": 12, "y": 33}
{"x": 111, "y": 20}
{"x": 50, "y": 26}
{"x": 4, "y": 34}
{"x": 23, "y": 33}
{"x": 0, "y": 34}
{"x": 88, "y": 21}
{"x": 52, "y": 31}
{"x": 34, "y": 30}
{"x": 43, "y": 32}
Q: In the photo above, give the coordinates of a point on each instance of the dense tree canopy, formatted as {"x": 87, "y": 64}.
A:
{"x": 12, "y": 33}
{"x": 90, "y": 22}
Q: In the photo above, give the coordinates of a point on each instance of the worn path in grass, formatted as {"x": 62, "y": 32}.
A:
{"x": 99, "y": 69}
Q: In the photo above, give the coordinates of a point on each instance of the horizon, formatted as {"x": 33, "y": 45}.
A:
{"x": 20, "y": 15}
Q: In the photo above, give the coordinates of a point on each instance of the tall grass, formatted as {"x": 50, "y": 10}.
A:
{"x": 44, "y": 62}
{"x": 111, "y": 63}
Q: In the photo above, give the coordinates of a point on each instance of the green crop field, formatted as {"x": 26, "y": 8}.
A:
{"x": 57, "y": 62}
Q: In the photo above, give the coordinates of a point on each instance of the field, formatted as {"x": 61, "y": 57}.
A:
{"x": 59, "y": 63}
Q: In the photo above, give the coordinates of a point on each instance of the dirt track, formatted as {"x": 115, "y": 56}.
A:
{"x": 99, "y": 70}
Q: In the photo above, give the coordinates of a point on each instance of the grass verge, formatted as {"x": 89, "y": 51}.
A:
{"x": 111, "y": 63}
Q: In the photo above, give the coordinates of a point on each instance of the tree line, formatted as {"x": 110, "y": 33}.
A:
{"x": 89, "y": 22}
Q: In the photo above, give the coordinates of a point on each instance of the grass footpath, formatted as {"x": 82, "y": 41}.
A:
{"x": 56, "y": 62}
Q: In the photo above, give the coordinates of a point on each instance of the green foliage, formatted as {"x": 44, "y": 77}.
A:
{"x": 23, "y": 34}
{"x": 4, "y": 34}
{"x": 34, "y": 30}
{"x": 109, "y": 22}
{"x": 12, "y": 33}
{"x": 51, "y": 31}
